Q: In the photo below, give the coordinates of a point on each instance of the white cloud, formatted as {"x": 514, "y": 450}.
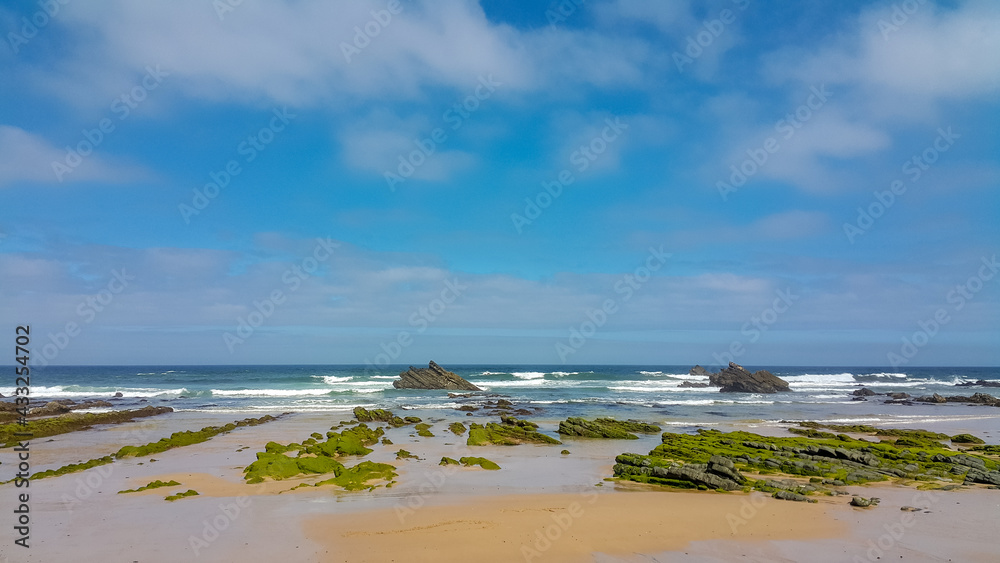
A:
{"x": 292, "y": 53}
{"x": 375, "y": 144}
{"x": 26, "y": 157}
{"x": 937, "y": 54}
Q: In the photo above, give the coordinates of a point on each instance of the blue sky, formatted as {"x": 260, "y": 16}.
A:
{"x": 703, "y": 159}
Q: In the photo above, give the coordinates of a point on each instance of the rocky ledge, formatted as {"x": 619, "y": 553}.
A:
{"x": 737, "y": 379}
{"x": 605, "y": 428}
{"x": 718, "y": 460}
{"x": 432, "y": 377}
{"x": 979, "y": 383}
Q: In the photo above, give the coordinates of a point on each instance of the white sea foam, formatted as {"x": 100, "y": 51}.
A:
{"x": 268, "y": 392}
{"x": 78, "y": 391}
{"x": 528, "y": 374}
{"x": 331, "y": 379}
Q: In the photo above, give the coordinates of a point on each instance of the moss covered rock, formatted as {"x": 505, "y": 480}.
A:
{"x": 189, "y": 437}
{"x": 382, "y": 415}
{"x": 966, "y": 439}
{"x": 358, "y": 477}
{"x": 605, "y": 428}
{"x": 457, "y": 428}
{"x": 187, "y": 493}
{"x": 480, "y": 461}
{"x": 835, "y": 461}
{"x": 152, "y": 485}
{"x": 505, "y": 435}
{"x": 73, "y": 468}
{"x": 71, "y": 422}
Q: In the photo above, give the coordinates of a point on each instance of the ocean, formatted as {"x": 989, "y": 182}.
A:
{"x": 641, "y": 392}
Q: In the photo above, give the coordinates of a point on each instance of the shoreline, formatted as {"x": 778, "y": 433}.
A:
{"x": 627, "y": 521}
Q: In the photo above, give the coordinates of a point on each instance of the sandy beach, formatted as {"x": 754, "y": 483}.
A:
{"x": 541, "y": 506}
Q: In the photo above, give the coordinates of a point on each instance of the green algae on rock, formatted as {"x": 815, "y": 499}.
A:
{"x": 188, "y": 437}
{"x": 382, "y": 415}
{"x": 44, "y": 427}
{"x": 73, "y": 468}
{"x": 505, "y": 435}
{"x": 403, "y": 454}
{"x": 605, "y": 428}
{"x": 423, "y": 429}
{"x": 187, "y": 493}
{"x": 449, "y": 461}
{"x": 966, "y": 439}
{"x": 311, "y": 456}
{"x": 152, "y": 485}
{"x": 356, "y": 478}
{"x": 457, "y": 428}
{"x": 480, "y": 461}
{"x": 700, "y": 460}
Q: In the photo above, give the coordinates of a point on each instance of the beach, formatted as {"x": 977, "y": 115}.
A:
{"x": 547, "y": 502}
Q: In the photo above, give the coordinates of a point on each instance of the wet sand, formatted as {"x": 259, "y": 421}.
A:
{"x": 451, "y": 514}
{"x": 560, "y": 528}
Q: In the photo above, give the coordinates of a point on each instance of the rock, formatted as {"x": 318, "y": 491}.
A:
{"x": 910, "y": 509}
{"x": 864, "y": 502}
{"x": 863, "y": 392}
{"x": 788, "y": 495}
{"x": 505, "y": 435}
{"x": 966, "y": 439}
{"x": 698, "y": 370}
{"x": 736, "y": 379}
{"x": 511, "y": 421}
{"x": 935, "y": 398}
{"x": 605, "y": 428}
{"x": 467, "y": 408}
{"x": 432, "y": 377}
{"x": 564, "y": 452}
{"x": 382, "y": 415}
{"x": 984, "y": 477}
{"x": 697, "y": 474}
{"x": 979, "y": 383}
{"x": 898, "y": 396}
{"x": 119, "y": 395}
{"x": 50, "y": 408}
{"x": 692, "y": 384}
{"x": 90, "y": 405}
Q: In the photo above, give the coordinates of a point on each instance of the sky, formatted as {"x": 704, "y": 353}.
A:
{"x": 600, "y": 182}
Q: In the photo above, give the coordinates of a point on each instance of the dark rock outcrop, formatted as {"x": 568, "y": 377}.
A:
{"x": 788, "y": 495}
{"x": 605, "y": 428}
{"x": 862, "y": 502}
{"x": 693, "y": 384}
{"x": 976, "y": 399}
{"x": 863, "y": 392}
{"x": 718, "y": 473}
{"x": 698, "y": 370}
{"x": 432, "y": 377}
{"x": 50, "y": 408}
{"x": 979, "y": 383}
{"x": 736, "y": 379}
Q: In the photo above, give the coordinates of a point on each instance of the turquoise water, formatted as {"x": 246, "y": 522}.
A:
{"x": 624, "y": 391}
